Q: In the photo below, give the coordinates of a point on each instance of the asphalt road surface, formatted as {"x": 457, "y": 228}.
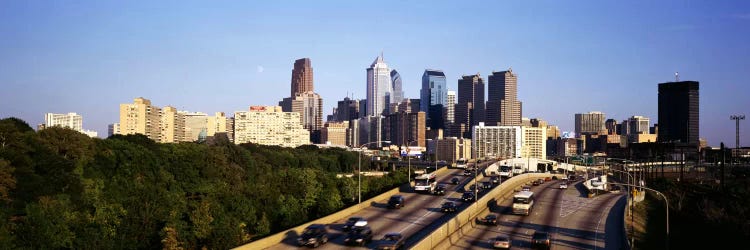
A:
{"x": 573, "y": 221}
{"x": 419, "y": 212}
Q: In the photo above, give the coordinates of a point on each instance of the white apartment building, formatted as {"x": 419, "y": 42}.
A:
{"x": 502, "y": 142}
{"x": 506, "y": 142}
{"x": 534, "y": 143}
{"x": 269, "y": 125}
{"x": 70, "y": 120}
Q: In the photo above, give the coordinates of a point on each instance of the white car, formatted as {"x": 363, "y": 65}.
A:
{"x": 563, "y": 185}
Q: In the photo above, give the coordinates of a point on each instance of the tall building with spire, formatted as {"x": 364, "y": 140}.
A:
{"x": 503, "y": 107}
{"x": 379, "y": 87}
{"x": 470, "y": 107}
{"x": 302, "y": 76}
{"x": 432, "y": 97}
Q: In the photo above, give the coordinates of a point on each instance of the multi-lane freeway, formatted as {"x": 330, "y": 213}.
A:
{"x": 420, "y": 211}
{"x": 573, "y": 221}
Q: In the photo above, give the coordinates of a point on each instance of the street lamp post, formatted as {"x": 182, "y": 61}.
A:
{"x": 359, "y": 172}
{"x": 408, "y": 149}
{"x": 665, "y": 202}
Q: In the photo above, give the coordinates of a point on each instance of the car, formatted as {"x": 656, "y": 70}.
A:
{"x": 536, "y": 182}
{"x": 468, "y": 172}
{"x": 572, "y": 177}
{"x": 391, "y": 241}
{"x": 485, "y": 185}
{"x": 396, "y": 201}
{"x": 526, "y": 188}
{"x": 360, "y": 234}
{"x": 350, "y": 222}
{"x": 468, "y": 196}
{"x": 490, "y": 219}
{"x": 455, "y": 180}
{"x": 495, "y": 179}
{"x": 554, "y": 178}
{"x": 439, "y": 190}
{"x": 548, "y": 178}
{"x": 541, "y": 181}
{"x": 501, "y": 242}
{"x": 563, "y": 185}
{"x": 541, "y": 240}
{"x": 314, "y": 235}
{"x": 448, "y": 207}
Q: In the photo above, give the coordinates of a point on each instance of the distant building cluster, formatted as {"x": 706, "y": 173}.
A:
{"x": 448, "y": 124}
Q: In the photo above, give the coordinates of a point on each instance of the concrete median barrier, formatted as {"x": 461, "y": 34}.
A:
{"x": 463, "y": 222}
{"x": 277, "y": 238}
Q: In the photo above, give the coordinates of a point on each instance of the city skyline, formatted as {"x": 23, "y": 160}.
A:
{"x": 580, "y": 57}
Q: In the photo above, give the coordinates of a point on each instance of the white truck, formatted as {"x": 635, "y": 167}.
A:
{"x": 425, "y": 183}
{"x": 506, "y": 171}
{"x": 462, "y": 163}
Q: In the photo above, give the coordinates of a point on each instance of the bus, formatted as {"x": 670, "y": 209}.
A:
{"x": 523, "y": 202}
{"x": 425, "y": 183}
{"x": 506, "y": 171}
{"x": 461, "y": 163}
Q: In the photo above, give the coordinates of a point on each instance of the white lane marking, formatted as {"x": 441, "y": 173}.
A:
{"x": 596, "y": 232}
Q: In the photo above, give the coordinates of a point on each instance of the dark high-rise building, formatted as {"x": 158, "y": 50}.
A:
{"x": 589, "y": 123}
{"x": 611, "y": 125}
{"x": 302, "y": 76}
{"x": 678, "y": 112}
{"x": 503, "y": 107}
{"x": 397, "y": 95}
{"x": 433, "y": 97}
{"x": 347, "y": 109}
{"x": 470, "y": 106}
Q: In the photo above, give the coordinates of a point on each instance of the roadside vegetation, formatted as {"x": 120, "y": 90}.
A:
{"x": 60, "y": 189}
{"x": 701, "y": 215}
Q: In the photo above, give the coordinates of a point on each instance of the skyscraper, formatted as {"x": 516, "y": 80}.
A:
{"x": 398, "y": 93}
{"x": 347, "y": 109}
{"x": 503, "y": 107}
{"x": 678, "y": 112}
{"x": 432, "y": 97}
{"x": 470, "y": 106}
{"x": 590, "y": 123}
{"x": 378, "y": 87}
{"x": 310, "y": 107}
{"x": 450, "y": 107}
{"x": 302, "y": 76}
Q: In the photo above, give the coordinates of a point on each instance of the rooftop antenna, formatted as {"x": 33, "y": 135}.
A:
{"x": 677, "y": 76}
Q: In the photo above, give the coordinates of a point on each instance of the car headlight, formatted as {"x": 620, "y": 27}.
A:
{"x": 359, "y": 240}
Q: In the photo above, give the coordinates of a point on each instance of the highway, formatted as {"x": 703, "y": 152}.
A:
{"x": 420, "y": 211}
{"x": 573, "y": 221}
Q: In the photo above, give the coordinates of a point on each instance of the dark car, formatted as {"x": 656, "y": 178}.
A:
{"x": 396, "y": 201}
{"x": 359, "y": 235}
{"x": 541, "y": 240}
{"x": 440, "y": 190}
{"x": 468, "y": 172}
{"x": 535, "y": 182}
{"x": 486, "y": 185}
{"x": 495, "y": 179}
{"x": 468, "y": 196}
{"x": 541, "y": 180}
{"x": 391, "y": 241}
{"x": 350, "y": 222}
{"x": 455, "y": 180}
{"x": 448, "y": 207}
{"x": 314, "y": 236}
{"x": 490, "y": 219}
{"x": 502, "y": 242}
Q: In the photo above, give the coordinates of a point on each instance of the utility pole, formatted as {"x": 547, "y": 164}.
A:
{"x": 737, "y": 119}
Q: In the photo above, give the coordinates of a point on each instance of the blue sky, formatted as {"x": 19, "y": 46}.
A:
{"x": 208, "y": 56}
